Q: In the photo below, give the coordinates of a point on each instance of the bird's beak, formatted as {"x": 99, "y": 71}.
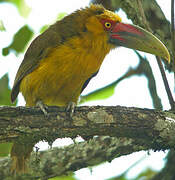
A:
{"x": 135, "y": 37}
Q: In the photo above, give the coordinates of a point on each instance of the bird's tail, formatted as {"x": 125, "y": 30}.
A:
{"x": 20, "y": 153}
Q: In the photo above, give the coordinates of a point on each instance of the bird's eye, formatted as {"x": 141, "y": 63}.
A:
{"x": 107, "y": 24}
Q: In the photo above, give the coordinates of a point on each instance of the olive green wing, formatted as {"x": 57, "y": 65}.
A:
{"x": 38, "y": 49}
{"x": 88, "y": 80}
{"x": 54, "y": 36}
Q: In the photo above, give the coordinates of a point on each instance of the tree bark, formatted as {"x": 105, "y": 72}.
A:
{"x": 61, "y": 161}
{"x": 24, "y": 124}
{"x": 135, "y": 128}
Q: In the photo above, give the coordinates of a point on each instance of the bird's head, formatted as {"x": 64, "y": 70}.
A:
{"x": 121, "y": 34}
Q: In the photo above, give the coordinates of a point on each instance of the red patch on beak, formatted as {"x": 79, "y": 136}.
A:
{"x": 117, "y": 36}
{"x": 121, "y": 27}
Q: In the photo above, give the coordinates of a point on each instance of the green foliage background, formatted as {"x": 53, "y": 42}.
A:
{"x": 18, "y": 45}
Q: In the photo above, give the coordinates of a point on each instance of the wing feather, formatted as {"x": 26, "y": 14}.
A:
{"x": 88, "y": 80}
{"x": 38, "y": 49}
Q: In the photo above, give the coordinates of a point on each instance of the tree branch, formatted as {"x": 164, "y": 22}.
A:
{"x": 159, "y": 62}
{"x": 61, "y": 161}
{"x": 31, "y": 125}
{"x": 173, "y": 33}
{"x": 135, "y": 128}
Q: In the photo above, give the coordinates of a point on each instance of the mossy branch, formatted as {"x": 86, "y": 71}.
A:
{"x": 61, "y": 161}
{"x": 26, "y": 124}
{"x": 133, "y": 129}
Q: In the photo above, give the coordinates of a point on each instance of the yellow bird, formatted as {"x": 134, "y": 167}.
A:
{"x": 59, "y": 63}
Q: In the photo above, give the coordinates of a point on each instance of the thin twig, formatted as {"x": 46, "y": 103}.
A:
{"x": 172, "y": 34}
{"x": 169, "y": 94}
{"x": 133, "y": 165}
{"x": 145, "y": 22}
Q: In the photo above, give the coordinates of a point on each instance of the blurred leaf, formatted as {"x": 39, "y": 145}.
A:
{"x": 143, "y": 68}
{"x": 61, "y": 15}
{"x": 5, "y": 149}
{"x": 146, "y": 175}
{"x": 2, "y": 27}
{"x": 123, "y": 175}
{"x": 5, "y": 91}
{"x": 21, "y": 5}
{"x": 44, "y": 28}
{"x": 107, "y": 91}
{"x": 70, "y": 177}
{"x": 20, "y": 40}
{"x": 100, "y": 94}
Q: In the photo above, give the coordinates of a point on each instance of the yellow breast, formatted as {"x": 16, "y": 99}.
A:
{"x": 60, "y": 76}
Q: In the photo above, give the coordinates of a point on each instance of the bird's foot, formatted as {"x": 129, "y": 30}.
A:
{"x": 71, "y": 108}
{"x": 43, "y": 107}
